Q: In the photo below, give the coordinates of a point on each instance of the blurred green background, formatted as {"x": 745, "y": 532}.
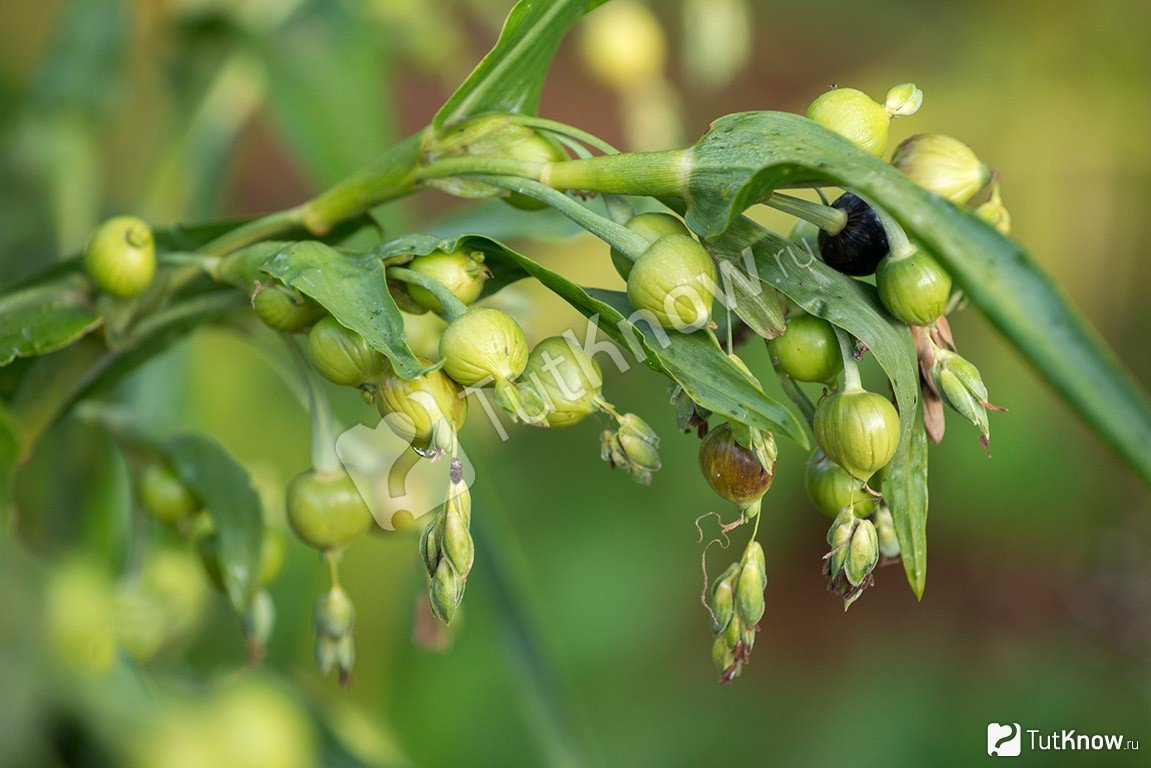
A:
{"x": 582, "y": 640}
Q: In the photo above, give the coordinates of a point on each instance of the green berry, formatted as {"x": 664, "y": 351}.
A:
{"x": 421, "y": 409}
{"x": 566, "y": 377}
{"x": 855, "y": 116}
{"x": 343, "y": 356}
{"x": 857, "y": 430}
{"x": 650, "y": 226}
{"x": 914, "y": 289}
{"x": 461, "y": 272}
{"x": 732, "y": 470}
{"x": 807, "y": 350}
{"x": 164, "y": 495}
{"x": 674, "y": 280}
{"x": 832, "y": 490}
{"x": 483, "y": 346}
{"x": 285, "y": 309}
{"x": 533, "y": 148}
{"x": 120, "y": 256}
{"x": 326, "y": 510}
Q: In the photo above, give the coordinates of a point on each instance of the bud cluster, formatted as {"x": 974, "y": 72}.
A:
{"x": 335, "y": 616}
{"x": 736, "y": 605}
{"x": 634, "y": 446}
{"x": 853, "y": 556}
{"x": 448, "y": 549}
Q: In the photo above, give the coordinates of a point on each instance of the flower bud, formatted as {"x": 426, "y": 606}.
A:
{"x": 430, "y": 543}
{"x": 903, "y": 99}
{"x": 914, "y": 289}
{"x": 942, "y": 165}
{"x": 334, "y": 615}
{"x": 962, "y": 388}
{"x": 855, "y": 116}
{"x": 461, "y": 272}
{"x": 446, "y": 592}
{"x": 482, "y": 346}
{"x": 754, "y": 554}
{"x": 120, "y": 256}
{"x": 807, "y": 350}
{"x": 285, "y": 309}
{"x": 414, "y": 408}
{"x": 833, "y": 490}
{"x": 325, "y": 509}
{"x": 862, "y": 553}
{"x": 721, "y": 654}
{"x": 839, "y": 537}
{"x": 857, "y": 430}
{"x": 674, "y": 280}
{"x": 856, "y": 249}
{"x": 885, "y": 531}
{"x": 733, "y": 471}
{"x": 995, "y": 213}
{"x": 343, "y": 356}
{"x": 257, "y": 622}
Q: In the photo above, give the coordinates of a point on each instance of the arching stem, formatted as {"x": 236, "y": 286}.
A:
{"x": 453, "y": 307}
{"x": 851, "y": 380}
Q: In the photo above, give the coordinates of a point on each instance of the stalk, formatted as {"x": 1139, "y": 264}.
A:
{"x": 324, "y": 458}
{"x": 830, "y": 220}
{"x": 453, "y": 307}
{"x": 649, "y": 174}
{"x": 851, "y": 380}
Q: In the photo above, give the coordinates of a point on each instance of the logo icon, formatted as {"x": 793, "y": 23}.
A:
{"x": 1004, "y": 740}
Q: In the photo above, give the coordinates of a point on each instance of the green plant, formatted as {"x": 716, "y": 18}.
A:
{"x": 302, "y": 268}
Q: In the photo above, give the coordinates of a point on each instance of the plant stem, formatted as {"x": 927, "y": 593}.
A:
{"x": 453, "y": 307}
{"x": 256, "y": 230}
{"x": 619, "y": 237}
{"x": 324, "y": 458}
{"x": 389, "y": 176}
{"x": 797, "y": 396}
{"x": 830, "y": 220}
{"x": 851, "y": 381}
{"x": 651, "y": 174}
{"x": 898, "y": 244}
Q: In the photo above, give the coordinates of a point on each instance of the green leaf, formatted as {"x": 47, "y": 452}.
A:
{"x": 905, "y": 491}
{"x": 45, "y": 318}
{"x": 226, "y": 490}
{"x": 854, "y": 306}
{"x": 511, "y": 76}
{"x": 9, "y": 455}
{"x": 354, "y": 289}
{"x": 746, "y": 156}
{"x": 693, "y": 360}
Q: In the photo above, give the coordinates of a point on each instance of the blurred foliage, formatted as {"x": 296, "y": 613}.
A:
{"x": 582, "y": 643}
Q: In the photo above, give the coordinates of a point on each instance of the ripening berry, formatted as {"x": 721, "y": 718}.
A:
{"x": 832, "y": 490}
{"x": 651, "y": 226}
{"x": 426, "y": 410}
{"x": 731, "y": 469}
{"x": 566, "y": 377}
{"x": 942, "y": 165}
{"x": 855, "y": 116}
{"x": 858, "y": 248}
{"x": 623, "y": 44}
{"x": 285, "y": 309}
{"x": 164, "y": 495}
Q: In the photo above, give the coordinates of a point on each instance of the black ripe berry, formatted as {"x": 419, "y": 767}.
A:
{"x": 858, "y": 248}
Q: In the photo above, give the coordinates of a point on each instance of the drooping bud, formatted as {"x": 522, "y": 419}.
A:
{"x": 445, "y": 592}
{"x": 862, "y": 553}
{"x": 942, "y": 165}
{"x": 458, "y": 546}
{"x": 962, "y": 388}
{"x": 634, "y": 447}
{"x": 723, "y": 599}
{"x": 257, "y": 622}
{"x": 749, "y": 592}
{"x": 334, "y": 618}
{"x": 994, "y": 212}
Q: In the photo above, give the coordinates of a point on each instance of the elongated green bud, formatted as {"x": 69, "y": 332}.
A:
{"x": 749, "y": 593}
{"x": 634, "y": 447}
{"x": 445, "y": 592}
{"x": 840, "y": 539}
{"x": 722, "y": 605}
{"x": 722, "y": 654}
{"x": 458, "y": 547}
{"x": 430, "y": 544}
{"x": 734, "y": 631}
{"x": 335, "y": 615}
{"x": 862, "y": 553}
